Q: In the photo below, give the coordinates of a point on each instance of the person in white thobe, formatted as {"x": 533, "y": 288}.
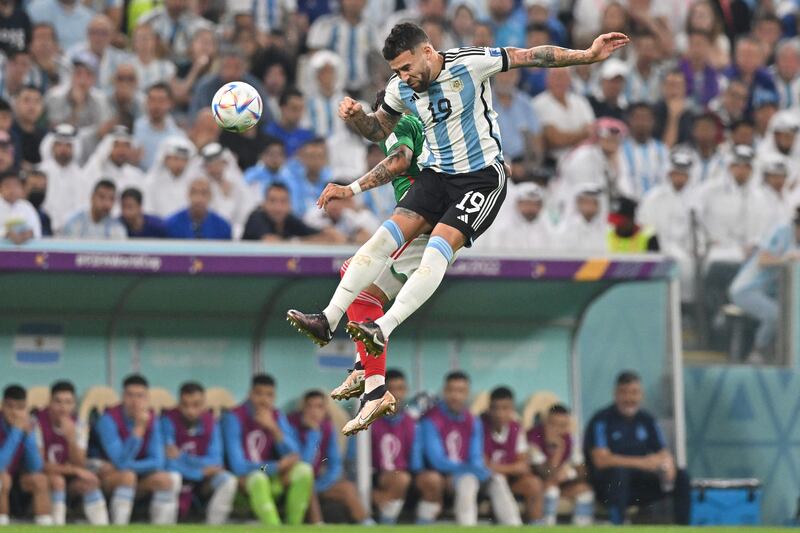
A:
{"x": 112, "y": 160}
{"x": 524, "y": 227}
{"x": 67, "y": 192}
{"x": 168, "y": 180}
{"x": 585, "y": 230}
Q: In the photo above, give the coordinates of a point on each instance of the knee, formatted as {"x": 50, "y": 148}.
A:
{"x": 430, "y": 481}
{"x": 5, "y": 482}
{"x": 128, "y": 478}
{"x": 467, "y": 483}
{"x": 162, "y": 481}
{"x": 301, "y": 472}
{"x": 57, "y": 482}
{"x": 39, "y": 482}
{"x": 401, "y": 479}
{"x": 530, "y": 486}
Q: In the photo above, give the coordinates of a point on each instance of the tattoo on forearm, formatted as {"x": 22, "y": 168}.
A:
{"x": 375, "y": 126}
{"x": 382, "y": 172}
{"x": 549, "y": 57}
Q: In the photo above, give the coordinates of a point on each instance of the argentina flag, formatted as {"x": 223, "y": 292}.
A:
{"x": 38, "y": 344}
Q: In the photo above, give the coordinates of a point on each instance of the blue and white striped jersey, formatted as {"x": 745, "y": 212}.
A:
{"x": 461, "y": 131}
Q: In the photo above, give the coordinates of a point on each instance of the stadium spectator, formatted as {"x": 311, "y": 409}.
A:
{"x": 558, "y": 461}
{"x": 355, "y": 222}
{"x": 645, "y": 157}
{"x": 763, "y": 110}
{"x": 508, "y": 23}
{"x": 768, "y": 31}
{"x": 273, "y": 221}
{"x": 137, "y": 223}
{"x": 202, "y": 61}
{"x": 20, "y": 461}
{"x": 28, "y": 111}
{"x": 35, "y": 186}
{"x": 156, "y": 125}
{"x": 274, "y": 68}
{"x": 545, "y": 13}
{"x": 780, "y": 142}
{"x": 193, "y": 448}
{"x": 232, "y": 67}
{"x": 452, "y": 444}
{"x": 774, "y": 188}
{"x": 261, "y": 450}
{"x": 175, "y": 22}
{"x": 168, "y": 179}
{"x": 8, "y": 150}
{"x": 124, "y": 103}
{"x": 271, "y": 167}
{"x": 97, "y": 222}
{"x": 150, "y": 67}
{"x": 625, "y": 236}
{"x": 15, "y": 73}
{"x": 646, "y": 73}
{"x": 78, "y": 102}
{"x": 462, "y": 22}
{"x": 667, "y": 208}
{"x": 610, "y": 101}
{"x": 19, "y": 221}
{"x": 230, "y": 196}
{"x": 674, "y": 113}
{"x": 628, "y": 459}
{"x": 523, "y": 224}
{"x": 98, "y": 43}
{"x": 62, "y": 440}
{"x": 519, "y": 126}
{"x": 66, "y": 186}
{"x": 380, "y": 200}
{"x": 505, "y": 451}
{"x": 69, "y": 18}
{"x": 584, "y": 227}
{"x": 50, "y": 66}
{"x": 350, "y": 36}
{"x": 703, "y": 17}
{"x": 197, "y": 221}
{"x": 288, "y": 126}
{"x": 16, "y": 25}
{"x": 755, "y": 287}
{"x": 483, "y": 35}
{"x": 533, "y": 80}
{"x": 324, "y": 93}
{"x": 786, "y": 73}
{"x": 733, "y": 210}
{"x": 709, "y": 161}
{"x": 308, "y": 174}
{"x": 702, "y": 79}
{"x": 114, "y": 159}
{"x": 566, "y": 117}
{"x": 319, "y": 447}
{"x": 732, "y": 104}
{"x": 204, "y": 129}
{"x": 132, "y": 444}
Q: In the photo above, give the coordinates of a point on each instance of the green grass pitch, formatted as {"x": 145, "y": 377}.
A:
{"x": 141, "y": 528}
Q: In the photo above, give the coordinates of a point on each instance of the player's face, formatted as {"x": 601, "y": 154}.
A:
{"x": 262, "y": 396}
{"x": 558, "y": 424}
{"x": 628, "y": 398}
{"x": 192, "y": 405}
{"x": 14, "y": 409}
{"x": 414, "y": 67}
{"x": 502, "y": 411}
{"x": 314, "y": 411}
{"x": 62, "y": 404}
{"x": 398, "y": 388}
{"x": 456, "y": 394}
{"x": 135, "y": 399}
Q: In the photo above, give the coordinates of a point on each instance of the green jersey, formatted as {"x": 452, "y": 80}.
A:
{"x": 409, "y": 133}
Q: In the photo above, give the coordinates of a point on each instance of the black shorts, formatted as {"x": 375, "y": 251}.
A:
{"x": 468, "y": 202}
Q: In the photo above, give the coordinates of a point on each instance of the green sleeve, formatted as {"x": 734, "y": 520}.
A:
{"x": 404, "y": 133}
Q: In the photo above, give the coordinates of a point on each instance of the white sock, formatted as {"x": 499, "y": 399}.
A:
{"x": 373, "y": 382}
{"x": 466, "y": 500}
{"x": 420, "y": 286}
{"x": 221, "y": 502}
{"x": 122, "y": 505}
{"x": 391, "y": 510}
{"x": 58, "y": 507}
{"x": 504, "y": 505}
{"x": 363, "y": 270}
{"x": 94, "y": 507}
{"x": 43, "y": 520}
{"x": 428, "y": 511}
{"x": 584, "y": 509}
{"x": 551, "y": 496}
{"x": 164, "y": 504}
{"x": 4, "y": 520}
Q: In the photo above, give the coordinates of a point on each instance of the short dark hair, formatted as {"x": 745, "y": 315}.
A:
{"x": 701, "y": 33}
{"x": 262, "y": 379}
{"x": 30, "y": 87}
{"x": 537, "y": 26}
{"x": 134, "y": 193}
{"x": 637, "y": 106}
{"x": 394, "y": 373}
{"x": 190, "y": 387}
{"x": 5, "y": 106}
{"x": 558, "y": 409}
{"x": 314, "y": 140}
{"x": 626, "y": 377}
{"x": 271, "y": 140}
{"x": 312, "y": 394}
{"x": 14, "y": 52}
{"x": 456, "y": 375}
{"x": 276, "y": 186}
{"x": 62, "y": 385}
{"x": 135, "y": 379}
{"x": 742, "y": 122}
{"x": 706, "y": 116}
{"x": 9, "y": 174}
{"x": 290, "y": 92}
{"x": 14, "y": 392}
{"x": 104, "y": 184}
{"x": 160, "y": 86}
{"x": 501, "y": 393}
{"x": 404, "y": 36}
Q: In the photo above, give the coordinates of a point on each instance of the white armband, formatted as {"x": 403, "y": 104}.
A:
{"x": 356, "y": 188}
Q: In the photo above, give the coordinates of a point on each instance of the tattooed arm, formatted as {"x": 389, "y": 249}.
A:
{"x": 555, "y": 56}
{"x": 374, "y": 126}
{"x": 395, "y": 164}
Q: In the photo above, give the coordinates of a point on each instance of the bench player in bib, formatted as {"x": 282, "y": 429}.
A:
{"x": 462, "y": 183}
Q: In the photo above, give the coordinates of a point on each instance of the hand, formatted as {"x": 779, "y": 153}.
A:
{"x": 333, "y": 192}
{"x": 266, "y": 419}
{"x": 67, "y": 427}
{"x": 606, "y": 44}
{"x": 211, "y": 471}
{"x": 652, "y": 462}
{"x": 173, "y": 452}
{"x": 86, "y": 475}
{"x": 23, "y": 422}
{"x": 286, "y": 463}
{"x": 676, "y": 106}
{"x": 349, "y": 108}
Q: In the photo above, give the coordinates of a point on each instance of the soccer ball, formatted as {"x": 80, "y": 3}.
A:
{"x": 236, "y": 106}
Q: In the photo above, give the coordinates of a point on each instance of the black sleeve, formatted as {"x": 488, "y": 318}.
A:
{"x": 652, "y": 244}
{"x": 297, "y": 228}
{"x": 655, "y": 438}
{"x": 256, "y": 227}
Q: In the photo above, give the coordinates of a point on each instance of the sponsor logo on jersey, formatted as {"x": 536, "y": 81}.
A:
{"x": 495, "y": 52}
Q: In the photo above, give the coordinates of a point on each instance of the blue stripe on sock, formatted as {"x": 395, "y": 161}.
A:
{"x": 219, "y": 479}
{"x": 93, "y": 496}
{"x": 57, "y": 496}
{"x": 164, "y": 496}
{"x": 125, "y": 493}
{"x": 442, "y": 246}
{"x": 394, "y": 229}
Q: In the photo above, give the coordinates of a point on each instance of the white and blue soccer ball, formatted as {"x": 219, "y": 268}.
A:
{"x": 236, "y": 107}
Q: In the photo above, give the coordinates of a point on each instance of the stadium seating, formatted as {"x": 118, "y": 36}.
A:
{"x": 38, "y": 397}
{"x": 219, "y": 398}
{"x": 96, "y": 399}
